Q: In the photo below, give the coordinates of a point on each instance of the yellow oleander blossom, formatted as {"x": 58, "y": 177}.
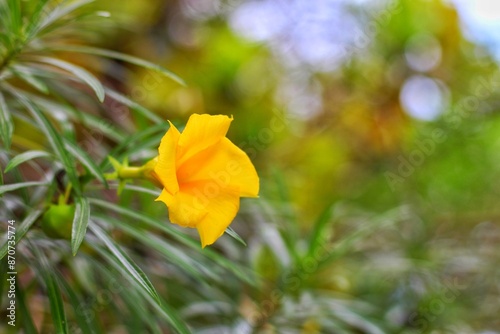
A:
{"x": 203, "y": 175}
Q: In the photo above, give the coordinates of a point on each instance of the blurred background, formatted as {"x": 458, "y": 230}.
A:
{"x": 366, "y": 108}
{"x": 375, "y": 129}
{"x": 381, "y": 115}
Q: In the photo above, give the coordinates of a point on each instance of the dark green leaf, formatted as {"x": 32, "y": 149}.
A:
{"x": 27, "y": 321}
{"x": 235, "y": 235}
{"x": 319, "y": 228}
{"x": 53, "y": 292}
{"x": 80, "y": 223}
{"x": 127, "y": 263}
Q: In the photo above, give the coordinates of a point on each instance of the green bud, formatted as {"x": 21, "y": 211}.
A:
{"x": 57, "y": 221}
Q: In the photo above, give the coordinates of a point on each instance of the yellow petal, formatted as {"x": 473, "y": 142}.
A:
{"x": 204, "y": 175}
{"x": 221, "y": 211}
{"x": 165, "y": 168}
{"x": 187, "y": 207}
{"x": 223, "y": 166}
{"x": 201, "y": 132}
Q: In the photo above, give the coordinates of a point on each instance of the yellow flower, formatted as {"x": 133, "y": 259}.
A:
{"x": 203, "y": 175}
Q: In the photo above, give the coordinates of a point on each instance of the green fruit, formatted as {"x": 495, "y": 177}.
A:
{"x": 57, "y": 221}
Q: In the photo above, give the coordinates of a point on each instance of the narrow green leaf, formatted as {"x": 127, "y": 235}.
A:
{"x": 15, "y": 186}
{"x": 15, "y": 16}
{"x": 170, "y": 252}
{"x": 21, "y": 230}
{"x": 315, "y": 241}
{"x": 152, "y": 142}
{"x": 164, "y": 226}
{"x": 139, "y": 312}
{"x": 86, "y": 323}
{"x": 56, "y": 304}
{"x": 79, "y": 72}
{"x": 4, "y": 39}
{"x": 93, "y": 122}
{"x": 6, "y": 124}
{"x": 127, "y": 263}
{"x": 122, "y": 57}
{"x": 20, "y": 72}
{"x": 34, "y": 21}
{"x": 55, "y": 140}
{"x": 23, "y": 157}
{"x": 84, "y": 158}
{"x": 61, "y": 11}
{"x": 134, "y": 105}
{"x": 235, "y": 235}
{"x": 137, "y": 137}
{"x": 80, "y": 223}
{"x": 34, "y": 82}
{"x": 148, "y": 191}
{"x": 27, "y": 321}
{"x": 169, "y": 314}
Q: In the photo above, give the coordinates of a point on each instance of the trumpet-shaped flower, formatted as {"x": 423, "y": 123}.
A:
{"x": 203, "y": 175}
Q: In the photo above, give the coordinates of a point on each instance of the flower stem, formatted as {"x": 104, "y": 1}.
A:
{"x": 131, "y": 172}
{"x": 124, "y": 172}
